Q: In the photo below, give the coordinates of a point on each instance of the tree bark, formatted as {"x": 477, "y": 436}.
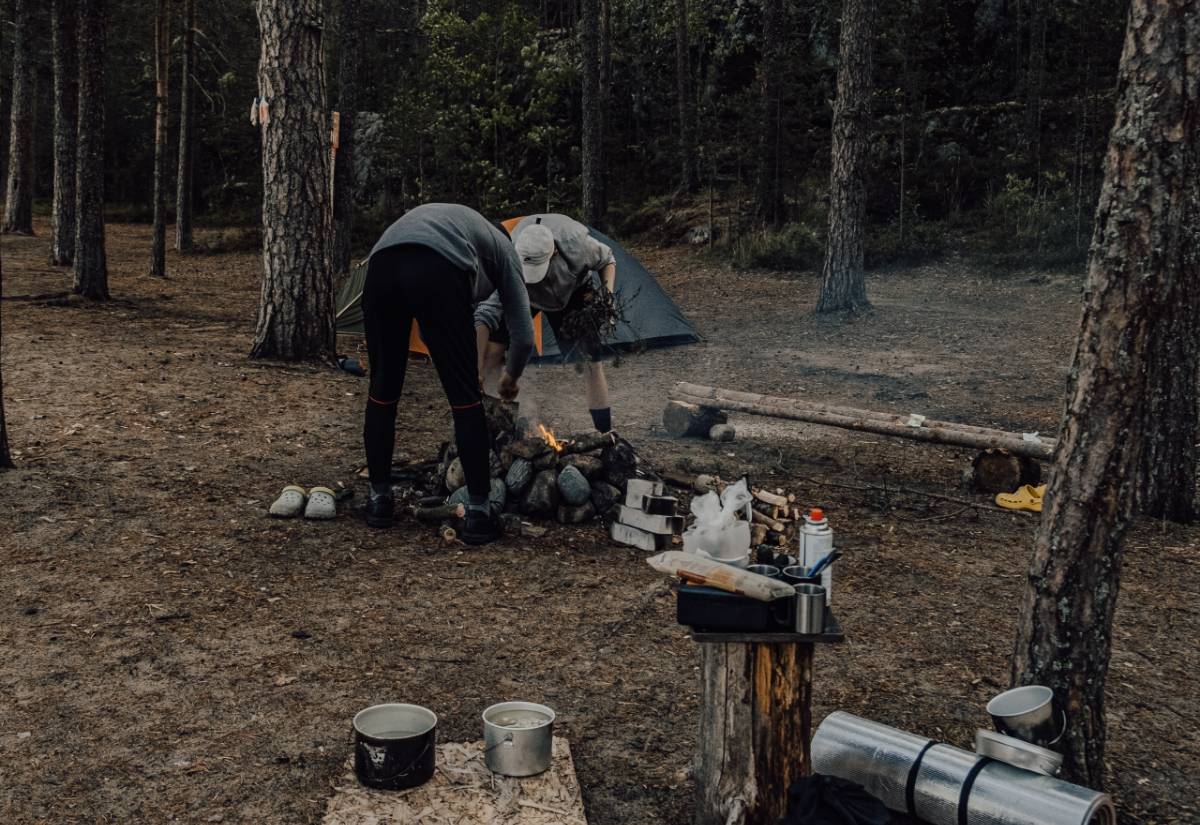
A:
{"x": 91, "y": 265}
{"x": 755, "y": 728}
{"x": 63, "y": 24}
{"x": 18, "y": 202}
{"x": 768, "y": 196}
{"x": 843, "y": 281}
{"x": 593, "y": 170}
{"x": 343, "y": 174}
{"x": 295, "y": 313}
{"x": 187, "y": 132}
{"x": 1144, "y": 258}
{"x": 162, "y": 69}
{"x": 1035, "y": 74}
{"x": 690, "y": 175}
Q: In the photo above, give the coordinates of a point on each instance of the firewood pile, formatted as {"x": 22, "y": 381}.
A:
{"x": 534, "y": 475}
{"x": 653, "y": 513}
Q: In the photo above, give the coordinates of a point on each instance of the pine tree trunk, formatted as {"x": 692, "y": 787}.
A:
{"x": 1039, "y": 14}
{"x": 187, "y": 131}
{"x": 18, "y": 202}
{"x": 843, "y": 281}
{"x": 162, "y": 69}
{"x": 5, "y": 454}
{"x": 295, "y": 312}
{"x": 91, "y": 265}
{"x": 690, "y": 176}
{"x": 64, "y": 21}
{"x": 1145, "y": 257}
{"x": 343, "y": 175}
{"x": 605, "y": 98}
{"x": 768, "y": 193}
{"x": 593, "y": 172}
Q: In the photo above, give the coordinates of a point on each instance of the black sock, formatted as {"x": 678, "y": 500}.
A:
{"x": 474, "y": 448}
{"x": 602, "y": 419}
{"x": 379, "y": 438}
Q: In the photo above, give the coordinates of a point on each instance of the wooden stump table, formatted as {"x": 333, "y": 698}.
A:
{"x": 756, "y": 722}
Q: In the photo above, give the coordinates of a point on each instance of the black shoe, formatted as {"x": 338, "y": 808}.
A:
{"x": 379, "y": 510}
{"x": 481, "y": 527}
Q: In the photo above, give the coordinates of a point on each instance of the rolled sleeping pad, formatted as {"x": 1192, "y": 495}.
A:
{"x": 944, "y": 785}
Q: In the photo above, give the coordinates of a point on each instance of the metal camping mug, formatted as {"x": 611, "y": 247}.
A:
{"x": 810, "y": 609}
{"x": 1029, "y": 713}
{"x": 768, "y": 570}
{"x": 518, "y": 738}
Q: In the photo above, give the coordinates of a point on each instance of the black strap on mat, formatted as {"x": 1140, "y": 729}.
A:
{"x": 965, "y": 794}
{"x": 910, "y": 787}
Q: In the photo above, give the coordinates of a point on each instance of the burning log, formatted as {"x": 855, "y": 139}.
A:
{"x": 531, "y": 448}
{"x": 590, "y": 465}
{"x": 591, "y": 442}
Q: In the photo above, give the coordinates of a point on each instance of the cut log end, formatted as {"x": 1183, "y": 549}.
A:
{"x": 683, "y": 420}
{"x": 999, "y": 471}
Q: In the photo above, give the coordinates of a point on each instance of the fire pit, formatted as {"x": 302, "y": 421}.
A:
{"x": 536, "y": 474}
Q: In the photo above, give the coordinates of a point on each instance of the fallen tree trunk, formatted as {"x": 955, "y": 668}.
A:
{"x": 931, "y": 431}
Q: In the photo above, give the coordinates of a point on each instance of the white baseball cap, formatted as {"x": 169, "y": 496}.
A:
{"x": 535, "y": 245}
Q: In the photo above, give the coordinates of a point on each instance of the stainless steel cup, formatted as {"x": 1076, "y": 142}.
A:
{"x": 1029, "y": 713}
{"x": 810, "y": 609}
{"x": 524, "y": 749}
{"x": 768, "y": 570}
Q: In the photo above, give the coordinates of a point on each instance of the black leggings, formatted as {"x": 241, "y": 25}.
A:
{"x": 407, "y": 283}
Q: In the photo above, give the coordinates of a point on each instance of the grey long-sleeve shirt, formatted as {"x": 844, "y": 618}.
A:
{"x": 579, "y": 255}
{"x": 470, "y": 242}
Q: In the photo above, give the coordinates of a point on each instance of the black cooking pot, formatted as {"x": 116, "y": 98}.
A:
{"x": 394, "y": 746}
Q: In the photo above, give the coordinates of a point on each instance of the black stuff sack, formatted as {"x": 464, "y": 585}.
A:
{"x": 828, "y": 800}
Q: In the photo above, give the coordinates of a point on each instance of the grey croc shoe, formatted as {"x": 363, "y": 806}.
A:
{"x": 290, "y": 502}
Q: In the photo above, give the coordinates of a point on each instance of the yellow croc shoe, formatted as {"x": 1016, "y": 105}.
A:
{"x": 1026, "y": 497}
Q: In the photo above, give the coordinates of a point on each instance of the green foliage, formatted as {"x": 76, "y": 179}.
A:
{"x": 794, "y": 246}
{"x": 484, "y": 112}
{"x": 1027, "y": 225}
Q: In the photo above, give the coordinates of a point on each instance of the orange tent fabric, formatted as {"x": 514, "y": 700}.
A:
{"x": 416, "y": 345}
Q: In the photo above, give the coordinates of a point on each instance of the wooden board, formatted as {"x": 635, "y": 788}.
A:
{"x": 464, "y": 791}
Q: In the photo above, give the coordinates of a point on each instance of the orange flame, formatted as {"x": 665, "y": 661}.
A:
{"x": 548, "y": 437}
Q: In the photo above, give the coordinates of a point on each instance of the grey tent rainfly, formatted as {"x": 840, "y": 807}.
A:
{"x": 651, "y": 319}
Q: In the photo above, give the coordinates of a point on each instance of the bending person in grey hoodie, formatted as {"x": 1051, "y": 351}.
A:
{"x": 561, "y": 262}
{"x": 433, "y": 266}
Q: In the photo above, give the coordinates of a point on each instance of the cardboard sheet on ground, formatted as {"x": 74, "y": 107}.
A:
{"x": 464, "y": 792}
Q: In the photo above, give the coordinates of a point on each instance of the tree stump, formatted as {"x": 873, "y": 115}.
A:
{"x": 755, "y": 730}
{"x": 683, "y": 420}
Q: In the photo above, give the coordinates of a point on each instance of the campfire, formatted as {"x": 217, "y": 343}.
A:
{"x": 536, "y": 474}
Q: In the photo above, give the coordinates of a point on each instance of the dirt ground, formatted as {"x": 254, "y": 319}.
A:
{"x": 169, "y": 653}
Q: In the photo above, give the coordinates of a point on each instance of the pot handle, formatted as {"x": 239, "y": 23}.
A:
{"x": 507, "y": 738}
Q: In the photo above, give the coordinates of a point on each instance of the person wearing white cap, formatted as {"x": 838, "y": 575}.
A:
{"x": 560, "y": 262}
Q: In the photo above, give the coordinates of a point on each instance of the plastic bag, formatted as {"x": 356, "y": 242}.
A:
{"x": 717, "y": 533}
{"x": 830, "y": 800}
